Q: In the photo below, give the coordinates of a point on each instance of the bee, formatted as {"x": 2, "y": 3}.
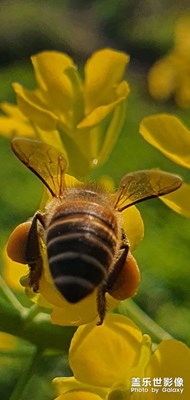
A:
{"x": 81, "y": 227}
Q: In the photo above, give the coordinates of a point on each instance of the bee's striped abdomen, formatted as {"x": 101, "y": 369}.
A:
{"x": 81, "y": 241}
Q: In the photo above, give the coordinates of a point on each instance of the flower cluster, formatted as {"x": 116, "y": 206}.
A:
{"x": 82, "y": 119}
{"x": 171, "y": 74}
{"x": 69, "y": 113}
{"x": 106, "y": 360}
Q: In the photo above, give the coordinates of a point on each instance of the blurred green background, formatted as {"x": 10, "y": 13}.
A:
{"x": 145, "y": 30}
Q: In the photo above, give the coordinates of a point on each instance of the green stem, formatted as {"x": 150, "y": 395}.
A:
{"x": 147, "y": 325}
{"x": 38, "y": 330}
{"x": 10, "y": 296}
{"x": 31, "y": 313}
{"x": 19, "y": 390}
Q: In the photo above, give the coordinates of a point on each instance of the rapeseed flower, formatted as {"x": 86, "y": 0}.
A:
{"x": 168, "y": 134}
{"x": 107, "y": 360}
{"x": 171, "y": 74}
{"x": 82, "y": 118}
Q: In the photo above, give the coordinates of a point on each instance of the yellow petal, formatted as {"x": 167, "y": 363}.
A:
{"x": 78, "y": 163}
{"x": 97, "y": 115}
{"x": 103, "y": 134}
{"x": 77, "y": 94}
{"x": 133, "y": 226}
{"x": 77, "y": 314}
{"x": 179, "y": 200}
{"x": 89, "y": 138}
{"x": 52, "y": 138}
{"x": 182, "y": 95}
{"x": 103, "y": 71}
{"x": 13, "y": 271}
{"x": 102, "y": 355}
{"x": 79, "y": 395}
{"x": 169, "y": 135}
{"x": 63, "y": 385}
{"x": 80, "y": 313}
{"x": 171, "y": 359}
{"x": 7, "y": 341}
{"x": 12, "y": 111}
{"x": 14, "y": 123}
{"x": 107, "y": 183}
{"x": 49, "y": 69}
{"x": 30, "y": 104}
{"x": 112, "y": 133}
{"x": 10, "y": 127}
{"x": 71, "y": 181}
{"x": 71, "y": 385}
{"x": 182, "y": 35}
{"x": 163, "y": 76}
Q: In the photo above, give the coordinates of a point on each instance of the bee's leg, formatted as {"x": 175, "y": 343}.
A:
{"x": 119, "y": 263}
{"x": 101, "y": 303}
{"x": 106, "y": 287}
{"x": 33, "y": 255}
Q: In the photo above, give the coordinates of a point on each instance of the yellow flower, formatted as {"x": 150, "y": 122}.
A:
{"x": 84, "y": 311}
{"x": 171, "y": 74}
{"x": 83, "y": 118}
{"x": 106, "y": 360}
{"x": 168, "y": 134}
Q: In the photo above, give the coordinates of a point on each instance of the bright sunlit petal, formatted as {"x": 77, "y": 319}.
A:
{"x": 179, "y": 200}
{"x": 101, "y": 355}
{"x": 30, "y": 104}
{"x": 171, "y": 359}
{"x": 103, "y": 71}
{"x": 168, "y": 134}
{"x": 133, "y": 226}
{"x": 50, "y": 69}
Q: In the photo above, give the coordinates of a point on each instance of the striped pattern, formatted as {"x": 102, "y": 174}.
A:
{"x": 81, "y": 242}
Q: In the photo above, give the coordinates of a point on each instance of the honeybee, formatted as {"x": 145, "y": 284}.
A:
{"x": 82, "y": 225}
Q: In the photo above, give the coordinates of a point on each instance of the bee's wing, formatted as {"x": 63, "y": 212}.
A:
{"x": 44, "y": 161}
{"x": 143, "y": 185}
